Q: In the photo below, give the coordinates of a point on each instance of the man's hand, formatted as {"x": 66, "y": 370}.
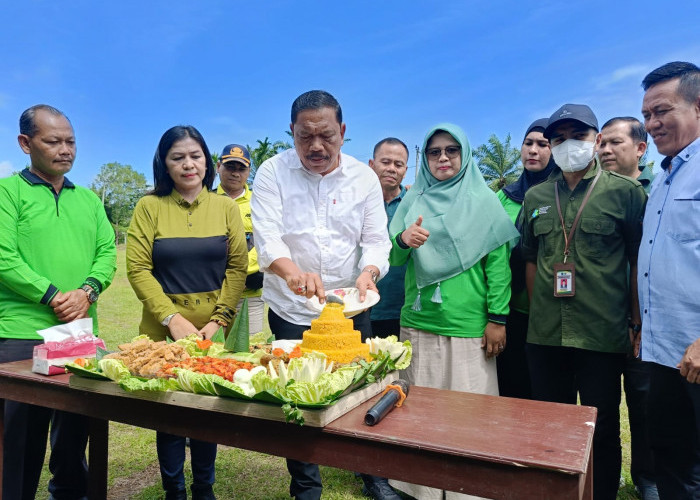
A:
{"x": 365, "y": 282}
{"x": 209, "y": 330}
{"x": 307, "y": 285}
{"x": 414, "y": 235}
{"x": 299, "y": 282}
{"x": 494, "y": 339}
{"x": 690, "y": 363}
{"x": 180, "y": 327}
{"x": 71, "y": 305}
{"x": 635, "y": 340}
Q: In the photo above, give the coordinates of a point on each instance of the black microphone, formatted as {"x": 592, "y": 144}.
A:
{"x": 386, "y": 403}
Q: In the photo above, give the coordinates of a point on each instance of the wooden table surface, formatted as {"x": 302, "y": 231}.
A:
{"x": 494, "y": 447}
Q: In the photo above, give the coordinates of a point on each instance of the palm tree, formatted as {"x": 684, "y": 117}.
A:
{"x": 264, "y": 150}
{"x": 498, "y": 161}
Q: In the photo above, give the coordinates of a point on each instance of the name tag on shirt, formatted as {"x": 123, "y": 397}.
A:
{"x": 564, "y": 280}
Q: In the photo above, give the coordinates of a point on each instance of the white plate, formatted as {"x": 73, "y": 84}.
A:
{"x": 351, "y": 297}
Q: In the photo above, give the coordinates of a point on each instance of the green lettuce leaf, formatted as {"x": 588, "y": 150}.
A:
{"x": 326, "y": 388}
{"x": 229, "y": 389}
{"x": 400, "y": 353}
{"x": 189, "y": 343}
{"x": 115, "y": 369}
{"x": 198, "y": 383}
{"x": 131, "y": 384}
{"x": 261, "y": 338}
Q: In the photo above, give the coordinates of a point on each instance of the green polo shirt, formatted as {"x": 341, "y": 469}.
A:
{"x": 605, "y": 243}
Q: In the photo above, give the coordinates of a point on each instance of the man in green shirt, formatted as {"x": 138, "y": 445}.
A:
{"x": 580, "y": 236}
{"x": 57, "y": 254}
{"x": 621, "y": 145}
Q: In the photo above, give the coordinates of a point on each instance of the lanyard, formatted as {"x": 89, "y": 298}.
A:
{"x": 570, "y": 236}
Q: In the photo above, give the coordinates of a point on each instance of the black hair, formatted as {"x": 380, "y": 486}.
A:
{"x": 27, "y": 125}
{"x": 687, "y": 73}
{"x": 637, "y": 131}
{"x": 162, "y": 182}
{"x": 389, "y": 140}
{"x": 316, "y": 99}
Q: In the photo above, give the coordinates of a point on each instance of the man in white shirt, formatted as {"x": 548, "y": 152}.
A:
{"x": 319, "y": 223}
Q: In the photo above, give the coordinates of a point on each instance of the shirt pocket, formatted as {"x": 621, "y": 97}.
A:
{"x": 684, "y": 220}
{"x": 346, "y": 213}
{"x": 542, "y": 228}
{"x": 595, "y": 239}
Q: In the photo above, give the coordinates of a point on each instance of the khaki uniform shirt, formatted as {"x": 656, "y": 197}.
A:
{"x": 606, "y": 241}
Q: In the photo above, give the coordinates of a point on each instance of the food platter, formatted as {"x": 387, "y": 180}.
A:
{"x": 313, "y": 417}
{"x": 351, "y": 297}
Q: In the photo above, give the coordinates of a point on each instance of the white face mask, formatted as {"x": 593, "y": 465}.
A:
{"x": 573, "y": 155}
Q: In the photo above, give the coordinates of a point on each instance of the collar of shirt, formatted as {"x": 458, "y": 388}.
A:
{"x": 34, "y": 179}
{"x": 681, "y": 158}
{"x": 184, "y": 203}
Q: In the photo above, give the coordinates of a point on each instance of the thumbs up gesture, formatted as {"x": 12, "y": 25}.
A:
{"x": 415, "y": 235}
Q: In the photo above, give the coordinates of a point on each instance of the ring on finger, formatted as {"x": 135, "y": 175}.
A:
{"x": 301, "y": 289}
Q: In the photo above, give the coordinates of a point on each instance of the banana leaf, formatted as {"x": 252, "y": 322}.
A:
{"x": 219, "y": 336}
{"x": 238, "y": 339}
{"x": 86, "y": 372}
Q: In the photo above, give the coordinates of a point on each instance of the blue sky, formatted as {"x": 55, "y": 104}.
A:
{"x": 126, "y": 71}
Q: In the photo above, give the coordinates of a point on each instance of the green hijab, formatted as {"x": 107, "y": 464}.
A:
{"x": 465, "y": 218}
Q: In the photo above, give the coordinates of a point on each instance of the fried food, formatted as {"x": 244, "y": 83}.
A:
{"x": 145, "y": 358}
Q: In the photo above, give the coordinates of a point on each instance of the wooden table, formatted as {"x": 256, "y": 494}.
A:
{"x": 493, "y": 447}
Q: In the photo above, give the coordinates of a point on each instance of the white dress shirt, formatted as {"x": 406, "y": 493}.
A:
{"x": 333, "y": 225}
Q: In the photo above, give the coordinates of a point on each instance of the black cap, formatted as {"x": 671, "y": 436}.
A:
{"x": 578, "y": 112}
{"x": 236, "y": 152}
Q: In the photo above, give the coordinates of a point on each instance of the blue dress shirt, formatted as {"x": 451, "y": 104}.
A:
{"x": 669, "y": 260}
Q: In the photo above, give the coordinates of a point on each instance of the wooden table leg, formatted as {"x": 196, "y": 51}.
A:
{"x": 588, "y": 482}
{"x": 97, "y": 458}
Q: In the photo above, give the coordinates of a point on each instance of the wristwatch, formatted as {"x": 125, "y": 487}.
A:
{"x": 375, "y": 276}
{"x": 166, "y": 320}
{"x": 92, "y": 295}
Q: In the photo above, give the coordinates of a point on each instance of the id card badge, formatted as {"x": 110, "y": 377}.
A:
{"x": 564, "y": 280}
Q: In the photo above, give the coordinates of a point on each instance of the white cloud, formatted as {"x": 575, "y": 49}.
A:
{"x": 635, "y": 72}
{"x": 5, "y": 168}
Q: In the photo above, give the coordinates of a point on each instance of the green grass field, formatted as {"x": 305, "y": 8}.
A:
{"x": 133, "y": 464}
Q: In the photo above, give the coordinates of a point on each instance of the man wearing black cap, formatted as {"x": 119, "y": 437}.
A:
{"x": 233, "y": 169}
{"x": 581, "y": 231}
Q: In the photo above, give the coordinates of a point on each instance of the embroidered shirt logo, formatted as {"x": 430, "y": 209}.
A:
{"x": 540, "y": 211}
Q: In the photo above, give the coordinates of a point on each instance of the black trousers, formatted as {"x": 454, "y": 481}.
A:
{"x": 513, "y": 371}
{"x": 26, "y": 428}
{"x": 385, "y": 327}
{"x": 559, "y": 374}
{"x": 636, "y": 383}
{"x": 674, "y": 431}
{"x": 306, "y": 478}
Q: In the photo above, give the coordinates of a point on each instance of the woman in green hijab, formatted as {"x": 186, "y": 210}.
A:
{"x": 453, "y": 232}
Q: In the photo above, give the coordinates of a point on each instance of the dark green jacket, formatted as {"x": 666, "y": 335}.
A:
{"x": 606, "y": 241}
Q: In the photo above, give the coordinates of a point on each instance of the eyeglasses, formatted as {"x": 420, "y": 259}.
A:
{"x": 450, "y": 151}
